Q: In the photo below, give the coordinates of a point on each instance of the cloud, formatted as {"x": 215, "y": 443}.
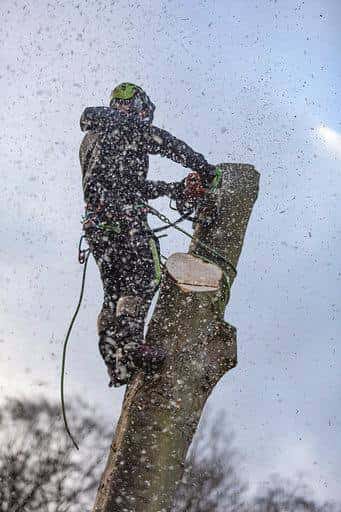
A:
{"x": 331, "y": 138}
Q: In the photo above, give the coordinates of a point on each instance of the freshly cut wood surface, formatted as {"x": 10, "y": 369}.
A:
{"x": 193, "y": 274}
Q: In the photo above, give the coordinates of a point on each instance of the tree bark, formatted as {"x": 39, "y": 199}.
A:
{"x": 160, "y": 413}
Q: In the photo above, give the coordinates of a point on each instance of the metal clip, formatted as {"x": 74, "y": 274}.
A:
{"x": 82, "y": 253}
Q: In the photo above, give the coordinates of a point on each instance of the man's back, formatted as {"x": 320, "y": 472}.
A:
{"x": 114, "y": 159}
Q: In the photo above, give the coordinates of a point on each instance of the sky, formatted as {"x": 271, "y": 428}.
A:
{"x": 240, "y": 81}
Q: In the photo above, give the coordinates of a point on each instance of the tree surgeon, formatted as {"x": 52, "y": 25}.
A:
{"x": 114, "y": 161}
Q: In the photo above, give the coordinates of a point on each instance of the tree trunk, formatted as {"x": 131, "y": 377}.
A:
{"x": 160, "y": 414}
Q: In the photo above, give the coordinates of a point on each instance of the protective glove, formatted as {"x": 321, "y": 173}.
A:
{"x": 194, "y": 189}
{"x": 208, "y": 175}
{"x": 191, "y": 190}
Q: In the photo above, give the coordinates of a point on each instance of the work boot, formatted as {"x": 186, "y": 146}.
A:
{"x": 148, "y": 358}
{"x": 144, "y": 357}
{"x": 106, "y": 320}
{"x": 117, "y": 363}
{"x": 114, "y": 379}
{"x": 119, "y": 373}
{"x": 116, "y": 340}
{"x": 129, "y": 330}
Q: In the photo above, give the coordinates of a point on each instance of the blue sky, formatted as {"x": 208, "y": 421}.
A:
{"x": 242, "y": 81}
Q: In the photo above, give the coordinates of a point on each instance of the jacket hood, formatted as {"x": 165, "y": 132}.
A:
{"x": 98, "y": 118}
{"x": 106, "y": 118}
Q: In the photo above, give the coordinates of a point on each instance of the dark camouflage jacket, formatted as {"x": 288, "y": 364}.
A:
{"x": 114, "y": 159}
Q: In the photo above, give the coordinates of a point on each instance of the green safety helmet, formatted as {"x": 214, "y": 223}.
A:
{"x": 134, "y": 99}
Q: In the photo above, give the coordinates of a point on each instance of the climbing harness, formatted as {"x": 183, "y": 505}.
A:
{"x": 156, "y": 259}
{"x": 90, "y": 220}
{"x": 217, "y": 179}
{"x": 83, "y": 258}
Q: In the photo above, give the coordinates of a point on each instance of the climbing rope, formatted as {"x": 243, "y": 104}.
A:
{"x": 165, "y": 219}
{"x": 186, "y": 216}
{"x": 83, "y": 258}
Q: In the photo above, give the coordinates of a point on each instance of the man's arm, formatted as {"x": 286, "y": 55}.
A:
{"x": 161, "y": 142}
{"x": 155, "y": 189}
{"x": 186, "y": 193}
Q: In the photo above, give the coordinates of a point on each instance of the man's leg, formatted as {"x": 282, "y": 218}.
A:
{"x": 129, "y": 272}
{"x": 139, "y": 282}
{"x": 127, "y": 269}
{"x": 104, "y": 248}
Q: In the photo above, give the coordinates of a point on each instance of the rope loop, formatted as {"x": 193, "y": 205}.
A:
{"x": 83, "y": 258}
{"x": 167, "y": 221}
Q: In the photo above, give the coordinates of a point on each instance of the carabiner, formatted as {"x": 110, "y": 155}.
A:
{"x": 82, "y": 253}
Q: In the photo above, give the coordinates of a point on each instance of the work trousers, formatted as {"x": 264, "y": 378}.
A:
{"x": 127, "y": 255}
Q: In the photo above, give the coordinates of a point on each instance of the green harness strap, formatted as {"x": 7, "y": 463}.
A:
{"x": 217, "y": 179}
{"x": 156, "y": 259}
